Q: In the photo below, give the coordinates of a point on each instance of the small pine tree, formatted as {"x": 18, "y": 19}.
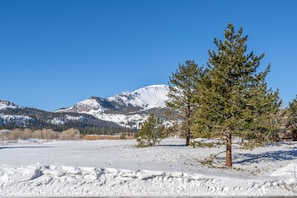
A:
{"x": 123, "y": 136}
{"x": 183, "y": 94}
{"x": 150, "y": 133}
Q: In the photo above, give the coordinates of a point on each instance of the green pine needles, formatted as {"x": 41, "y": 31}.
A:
{"x": 183, "y": 95}
{"x": 228, "y": 97}
{"x": 150, "y": 133}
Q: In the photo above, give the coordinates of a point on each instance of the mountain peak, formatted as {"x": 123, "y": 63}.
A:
{"x": 7, "y": 104}
{"x": 126, "y": 107}
{"x": 153, "y": 96}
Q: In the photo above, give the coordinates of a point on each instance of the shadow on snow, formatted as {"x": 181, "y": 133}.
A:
{"x": 281, "y": 155}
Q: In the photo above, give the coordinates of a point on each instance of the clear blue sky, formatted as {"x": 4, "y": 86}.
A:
{"x": 54, "y": 53}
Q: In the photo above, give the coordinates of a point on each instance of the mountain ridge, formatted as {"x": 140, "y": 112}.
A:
{"x": 124, "y": 111}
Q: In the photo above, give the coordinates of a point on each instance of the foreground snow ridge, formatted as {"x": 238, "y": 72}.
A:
{"x": 116, "y": 168}
{"x": 90, "y": 181}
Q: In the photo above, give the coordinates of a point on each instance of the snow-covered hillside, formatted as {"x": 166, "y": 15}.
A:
{"x": 117, "y": 168}
{"x": 18, "y": 120}
{"x": 128, "y": 109}
{"x": 6, "y": 104}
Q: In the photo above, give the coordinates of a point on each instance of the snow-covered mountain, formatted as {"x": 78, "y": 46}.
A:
{"x": 125, "y": 111}
{"x": 128, "y": 109}
{"x": 146, "y": 98}
{"x": 4, "y": 104}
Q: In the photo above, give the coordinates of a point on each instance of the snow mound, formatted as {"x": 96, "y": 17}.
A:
{"x": 91, "y": 181}
{"x": 288, "y": 171}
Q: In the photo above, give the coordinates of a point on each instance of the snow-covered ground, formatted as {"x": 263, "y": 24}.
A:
{"x": 118, "y": 168}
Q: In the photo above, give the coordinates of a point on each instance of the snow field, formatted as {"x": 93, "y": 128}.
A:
{"x": 117, "y": 168}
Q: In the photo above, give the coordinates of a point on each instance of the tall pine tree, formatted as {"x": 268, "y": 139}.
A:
{"x": 183, "y": 94}
{"x": 234, "y": 99}
{"x": 291, "y": 112}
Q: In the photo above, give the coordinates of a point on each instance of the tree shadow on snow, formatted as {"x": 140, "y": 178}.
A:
{"x": 282, "y": 155}
{"x": 172, "y": 145}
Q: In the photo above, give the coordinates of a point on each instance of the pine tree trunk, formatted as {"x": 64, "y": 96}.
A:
{"x": 188, "y": 125}
{"x": 229, "y": 150}
{"x": 188, "y": 137}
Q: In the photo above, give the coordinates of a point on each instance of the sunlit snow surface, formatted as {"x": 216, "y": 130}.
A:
{"x": 118, "y": 168}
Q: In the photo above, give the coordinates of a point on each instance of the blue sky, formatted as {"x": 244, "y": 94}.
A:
{"x": 54, "y": 53}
